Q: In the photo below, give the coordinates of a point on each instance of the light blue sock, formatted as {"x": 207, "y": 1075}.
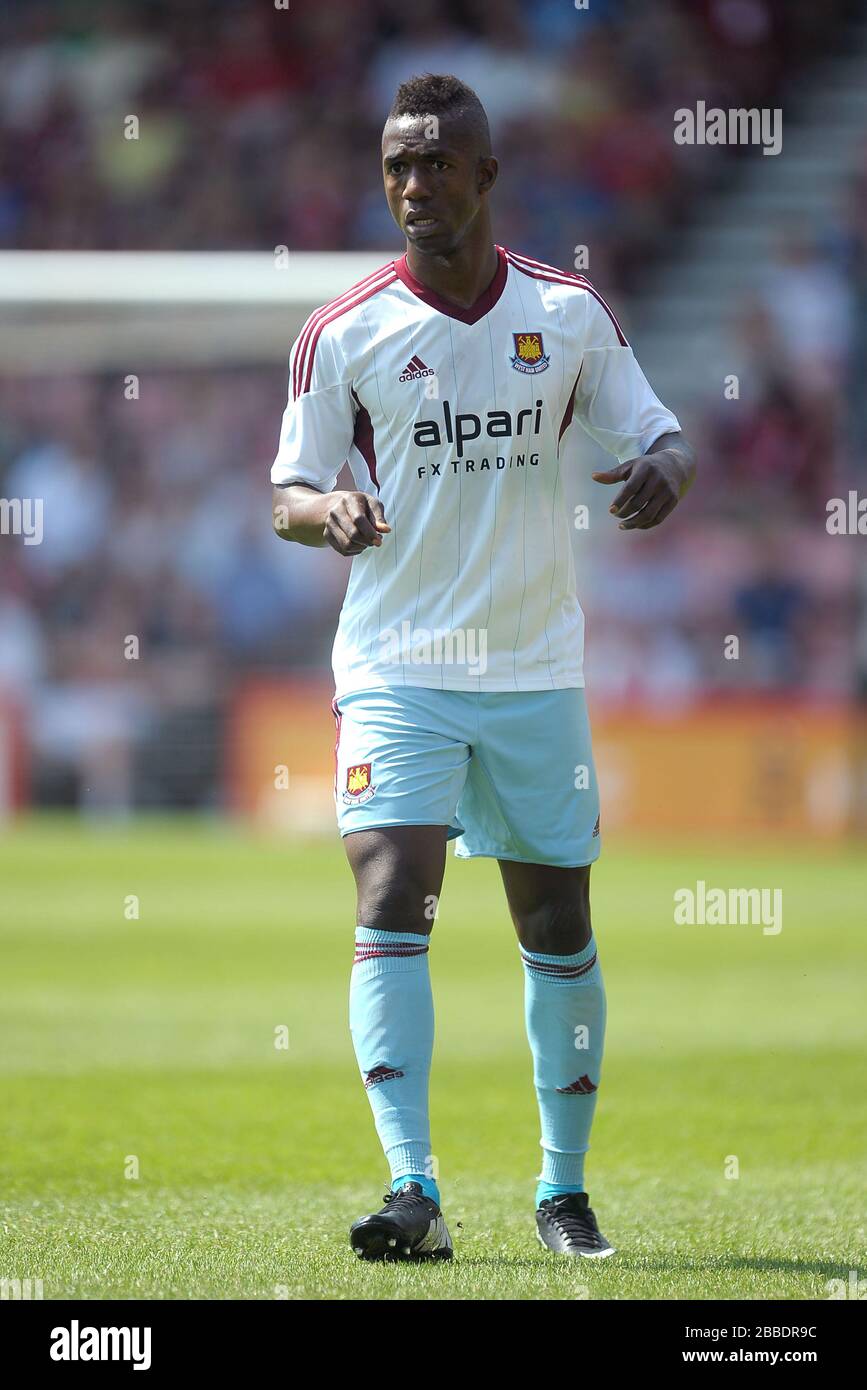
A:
{"x": 391, "y": 1019}
{"x": 564, "y": 1001}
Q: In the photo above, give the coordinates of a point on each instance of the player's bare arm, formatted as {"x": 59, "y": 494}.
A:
{"x": 654, "y": 483}
{"x": 347, "y": 521}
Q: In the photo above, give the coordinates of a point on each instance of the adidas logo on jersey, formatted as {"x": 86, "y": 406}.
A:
{"x": 415, "y": 369}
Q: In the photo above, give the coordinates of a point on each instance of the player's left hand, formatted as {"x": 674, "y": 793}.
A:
{"x": 654, "y": 484}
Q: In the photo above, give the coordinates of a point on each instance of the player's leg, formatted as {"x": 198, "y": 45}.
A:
{"x": 401, "y": 760}
{"x": 531, "y": 801}
{"x": 564, "y": 1000}
{"x": 565, "y": 1017}
{"x": 398, "y": 874}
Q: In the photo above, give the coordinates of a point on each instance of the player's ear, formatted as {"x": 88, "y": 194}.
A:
{"x": 488, "y": 170}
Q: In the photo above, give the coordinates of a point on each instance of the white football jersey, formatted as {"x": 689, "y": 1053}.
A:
{"x": 455, "y": 418}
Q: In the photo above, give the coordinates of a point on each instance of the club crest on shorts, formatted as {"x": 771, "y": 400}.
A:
{"x": 359, "y": 787}
{"x": 529, "y": 355}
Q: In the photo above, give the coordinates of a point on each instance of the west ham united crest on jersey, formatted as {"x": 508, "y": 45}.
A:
{"x": 455, "y": 418}
{"x": 529, "y": 354}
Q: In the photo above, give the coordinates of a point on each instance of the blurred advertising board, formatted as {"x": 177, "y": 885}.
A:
{"x": 730, "y": 767}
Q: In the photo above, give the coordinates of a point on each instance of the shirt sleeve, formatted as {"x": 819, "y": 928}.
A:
{"x": 319, "y": 419}
{"x": 613, "y": 399}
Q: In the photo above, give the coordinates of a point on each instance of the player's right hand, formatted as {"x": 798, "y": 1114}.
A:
{"x": 354, "y": 522}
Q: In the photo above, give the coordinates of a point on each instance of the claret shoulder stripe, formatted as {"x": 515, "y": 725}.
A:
{"x": 538, "y": 270}
{"x": 310, "y": 333}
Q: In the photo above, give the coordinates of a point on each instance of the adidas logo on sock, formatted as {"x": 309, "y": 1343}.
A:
{"x": 415, "y": 369}
{"x": 582, "y": 1087}
{"x": 381, "y": 1073}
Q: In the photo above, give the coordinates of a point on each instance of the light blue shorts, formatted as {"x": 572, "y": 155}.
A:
{"x": 510, "y": 773}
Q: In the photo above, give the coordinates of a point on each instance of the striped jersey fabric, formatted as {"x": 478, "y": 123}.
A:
{"x": 455, "y": 419}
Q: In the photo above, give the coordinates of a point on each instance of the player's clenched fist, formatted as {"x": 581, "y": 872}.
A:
{"x": 347, "y": 521}
{"x": 354, "y": 521}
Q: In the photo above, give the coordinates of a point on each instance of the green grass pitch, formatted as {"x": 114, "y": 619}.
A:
{"x": 154, "y": 1040}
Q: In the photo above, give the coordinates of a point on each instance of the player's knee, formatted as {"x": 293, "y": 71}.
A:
{"x": 389, "y": 904}
{"x": 555, "y": 928}
{"x": 394, "y": 897}
{"x": 397, "y": 891}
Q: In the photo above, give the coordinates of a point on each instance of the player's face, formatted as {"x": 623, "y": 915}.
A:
{"x": 435, "y": 185}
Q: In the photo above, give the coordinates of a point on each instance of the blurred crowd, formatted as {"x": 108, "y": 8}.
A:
{"x": 255, "y": 121}
{"x": 255, "y": 129}
{"x": 750, "y": 555}
{"x": 157, "y": 528}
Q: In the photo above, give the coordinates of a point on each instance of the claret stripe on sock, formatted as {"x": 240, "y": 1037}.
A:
{"x": 370, "y": 952}
{"x": 560, "y": 972}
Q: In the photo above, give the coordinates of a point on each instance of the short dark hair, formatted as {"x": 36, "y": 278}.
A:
{"x": 442, "y": 94}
